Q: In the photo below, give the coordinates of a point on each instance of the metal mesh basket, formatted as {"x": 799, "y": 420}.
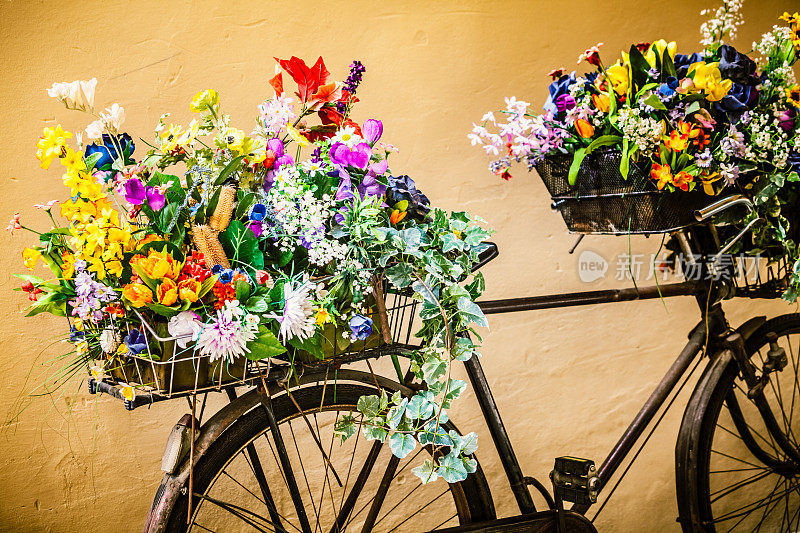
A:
{"x": 177, "y": 371}
{"x": 759, "y": 278}
{"x": 602, "y": 201}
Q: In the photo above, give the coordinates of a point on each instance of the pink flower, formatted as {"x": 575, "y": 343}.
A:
{"x": 357, "y": 156}
{"x": 46, "y": 207}
{"x": 14, "y": 224}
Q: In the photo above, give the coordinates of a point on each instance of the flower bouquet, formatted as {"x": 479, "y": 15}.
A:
{"x": 636, "y": 146}
{"x": 217, "y": 250}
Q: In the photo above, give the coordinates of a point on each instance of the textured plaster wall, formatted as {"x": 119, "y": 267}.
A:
{"x": 567, "y": 381}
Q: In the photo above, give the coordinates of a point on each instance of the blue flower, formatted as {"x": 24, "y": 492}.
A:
{"x": 136, "y": 341}
{"x": 76, "y": 335}
{"x": 108, "y": 150}
{"x": 668, "y": 88}
{"x": 403, "y": 188}
{"x": 557, "y": 88}
{"x": 735, "y": 66}
{"x": 738, "y": 100}
{"x": 684, "y": 61}
{"x": 225, "y": 275}
{"x": 258, "y": 212}
{"x": 793, "y": 161}
{"x": 360, "y": 327}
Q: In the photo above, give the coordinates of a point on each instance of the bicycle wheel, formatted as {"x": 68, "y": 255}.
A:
{"x": 228, "y": 496}
{"x": 732, "y": 473}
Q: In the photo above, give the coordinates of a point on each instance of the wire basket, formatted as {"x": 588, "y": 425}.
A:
{"x": 178, "y": 371}
{"x": 603, "y": 201}
{"x": 760, "y": 278}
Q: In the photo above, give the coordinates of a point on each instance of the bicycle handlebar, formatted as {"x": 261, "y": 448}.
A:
{"x": 721, "y": 205}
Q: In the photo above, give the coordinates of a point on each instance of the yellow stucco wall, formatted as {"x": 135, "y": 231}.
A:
{"x": 567, "y": 381}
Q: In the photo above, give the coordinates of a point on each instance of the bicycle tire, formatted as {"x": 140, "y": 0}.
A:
{"x": 471, "y": 497}
{"x": 711, "y": 416}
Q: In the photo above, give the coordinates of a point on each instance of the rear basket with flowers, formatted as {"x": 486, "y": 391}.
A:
{"x": 638, "y": 145}
{"x": 218, "y": 253}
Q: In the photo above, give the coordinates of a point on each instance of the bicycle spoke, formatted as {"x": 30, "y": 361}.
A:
{"x": 769, "y": 442}
{"x": 446, "y": 521}
{"x": 337, "y": 524}
{"x": 735, "y": 459}
{"x": 398, "y": 504}
{"x": 735, "y": 470}
{"x": 358, "y": 486}
{"x": 418, "y": 511}
{"x": 258, "y": 472}
{"x": 275, "y": 523}
{"x": 738, "y": 485}
{"x": 202, "y": 527}
{"x": 303, "y": 469}
{"x": 756, "y": 505}
{"x": 383, "y": 488}
{"x": 242, "y": 514}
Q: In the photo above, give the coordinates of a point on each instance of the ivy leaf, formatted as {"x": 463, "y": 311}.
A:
{"x": 466, "y": 444}
{"x": 454, "y": 390}
{"x": 430, "y": 434}
{"x": 433, "y": 369}
{"x": 476, "y": 235}
{"x": 419, "y": 407}
{"x": 345, "y": 428}
{"x": 369, "y": 406}
{"x": 452, "y": 469}
{"x": 426, "y": 472}
{"x": 400, "y": 275}
{"x": 402, "y": 444}
{"x": 412, "y": 237}
{"x": 375, "y": 433}
{"x": 472, "y": 312}
{"x": 265, "y": 345}
{"x": 451, "y": 242}
{"x": 395, "y": 414}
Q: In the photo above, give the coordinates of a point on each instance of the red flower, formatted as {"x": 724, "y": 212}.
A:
{"x": 642, "y": 46}
{"x": 223, "y": 292}
{"x": 262, "y": 277}
{"x": 308, "y": 79}
{"x": 556, "y": 73}
{"x": 591, "y": 55}
{"x": 32, "y": 291}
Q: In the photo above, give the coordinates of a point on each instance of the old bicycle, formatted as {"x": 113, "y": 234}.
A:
{"x": 267, "y": 461}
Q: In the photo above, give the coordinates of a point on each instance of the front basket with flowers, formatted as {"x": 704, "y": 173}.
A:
{"x": 219, "y": 251}
{"x": 638, "y": 145}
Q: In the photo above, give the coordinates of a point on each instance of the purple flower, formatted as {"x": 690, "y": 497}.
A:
{"x": 372, "y": 130}
{"x": 257, "y": 227}
{"x": 134, "y": 191}
{"x": 352, "y": 82}
{"x": 285, "y": 159}
{"x": 345, "y": 190}
{"x": 276, "y": 145}
{"x": 786, "y": 119}
{"x": 360, "y": 327}
{"x": 379, "y": 168}
{"x": 310, "y": 238}
{"x": 136, "y": 341}
{"x": 371, "y": 187}
{"x": 357, "y": 156}
{"x": 565, "y": 102}
{"x": 557, "y": 88}
{"x": 155, "y": 199}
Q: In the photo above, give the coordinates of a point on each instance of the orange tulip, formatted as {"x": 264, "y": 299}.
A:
{"x": 167, "y": 292}
{"x": 397, "y": 216}
{"x": 138, "y": 294}
{"x": 682, "y": 180}
{"x": 585, "y": 129}
{"x": 602, "y": 102}
{"x": 189, "y": 289}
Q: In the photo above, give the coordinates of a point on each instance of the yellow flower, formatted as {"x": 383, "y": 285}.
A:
{"x": 175, "y": 137}
{"x": 138, "y": 294}
{"x": 73, "y": 161}
{"x": 159, "y": 265}
{"x": 83, "y": 185}
{"x": 114, "y": 267}
{"x": 707, "y": 77}
{"x": 792, "y": 19}
{"x": 204, "y": 100}
{"x": 30, "y": 256}
{"x": 793, "y": 95}
{"x": 68, "y": 265}
{"x": 658, "y": 47}
{"x": 707, "y": 181}
{"x": 322, "y": 316}
{"x": 167, "y": 292}
{"x": 189, "y": 290}
{"x": 233, "y": 139}
{"x": 51, "y": 145}
{"x": 618, "y": 77}
{"x": 296, "y": 136}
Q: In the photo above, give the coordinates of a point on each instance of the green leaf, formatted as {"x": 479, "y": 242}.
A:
{"x": 402, "y": 444}
{"x": 603, "y": 140}
{"x": 345, "y": 427}
{"x": 472, "y": 312}
{"x": 369, "y": 406}
{"x": 265, "y": 345}
{"x": 400, "y": 275}
{"x": 91, "y": 161}
{"x": 419, "y": 407}
{"x": 451, "y": 242}
{"x": 655, "y": 102}
{"x": 375, "y": 433}
{"x": 452, "y": 469}
{"x": 207, "y": 285}
{"x": 231, "y": 167}
{"x": 639, "y": 68}
{"x": 412, "y": 237}
{"x": 312, "y": 345}
{"x": 426, "y": 472}
{"x": 163, "y": 310}
{"x": 693, "y": 107}
{"x": 241, "y": 246}
{"x": 577, "y": 159}
{"x": 257, "y": 304}
{"x": 395, "y": 414}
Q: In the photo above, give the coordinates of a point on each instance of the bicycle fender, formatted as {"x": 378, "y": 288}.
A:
{"x": 749, "y": 327}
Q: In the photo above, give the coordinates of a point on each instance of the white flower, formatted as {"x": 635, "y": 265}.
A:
{"x": 78, "y": 94}
{"x": 346, "y": 135}
{"x": 113, "y": 117}
{"x": 227, "y": 335}
{"x": 94, "y": 131}
{"x": 298, "y": 313}
{"x": 185, "y": 327}
{"x": 109, "y": 340}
